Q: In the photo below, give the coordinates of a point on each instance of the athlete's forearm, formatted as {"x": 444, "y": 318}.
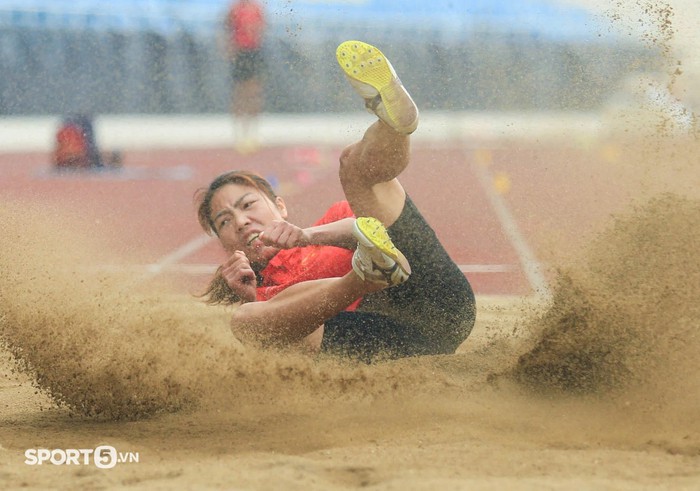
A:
{"x": 297, "y": 311}
{"x": 337, "y": 234}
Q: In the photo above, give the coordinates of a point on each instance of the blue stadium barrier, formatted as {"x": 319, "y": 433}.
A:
{"x": 161, "y": 56}
{"x": 539, "y": 18}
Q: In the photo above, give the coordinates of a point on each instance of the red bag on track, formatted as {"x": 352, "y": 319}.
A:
{"x": 75, "y": 144}
{"x": 71, "y": 147}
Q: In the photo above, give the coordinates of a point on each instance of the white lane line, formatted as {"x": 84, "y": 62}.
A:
{"x": 487, "y": 268}
{"x": 170, "y": 260}
{"x": 531, "y": 267}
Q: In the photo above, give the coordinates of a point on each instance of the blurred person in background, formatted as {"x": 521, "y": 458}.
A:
{"x": 244, "y": 30}
{"x": 370, "y": 279}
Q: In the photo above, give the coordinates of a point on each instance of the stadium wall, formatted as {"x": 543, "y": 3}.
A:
{"x": 59, "y": 71}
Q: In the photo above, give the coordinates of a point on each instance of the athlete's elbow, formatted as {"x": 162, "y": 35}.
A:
{"x": 243, "y": 326}
{"x": 249, "y": 328}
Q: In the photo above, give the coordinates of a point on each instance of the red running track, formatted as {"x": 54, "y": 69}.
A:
{"x": 150, "y": 203}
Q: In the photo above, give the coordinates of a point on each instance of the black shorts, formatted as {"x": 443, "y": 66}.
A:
{"x": 247, "y": 65}
{"x": 432, "y": 313}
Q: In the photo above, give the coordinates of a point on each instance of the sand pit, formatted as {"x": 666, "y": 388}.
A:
{"x": 596, "y": 389}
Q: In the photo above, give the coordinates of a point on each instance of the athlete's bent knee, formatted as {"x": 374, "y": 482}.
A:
{"x": 349, "y": 170}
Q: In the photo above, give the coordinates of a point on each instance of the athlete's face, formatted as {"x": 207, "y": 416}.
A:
{"x": 239, "y": 214}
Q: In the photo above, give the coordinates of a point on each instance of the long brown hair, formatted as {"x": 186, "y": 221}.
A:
{"x": 218, "y": 291}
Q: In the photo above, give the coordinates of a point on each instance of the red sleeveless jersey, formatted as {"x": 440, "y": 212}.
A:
{"x": 290, "y": 266}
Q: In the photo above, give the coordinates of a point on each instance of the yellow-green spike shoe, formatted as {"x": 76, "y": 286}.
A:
{"x": 372, "y": 76}
{"x": 376, "y": 259}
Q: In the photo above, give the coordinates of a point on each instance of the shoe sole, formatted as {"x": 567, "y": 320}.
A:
{"x": 367, "y": 64}
{"x": 374, "y": 234}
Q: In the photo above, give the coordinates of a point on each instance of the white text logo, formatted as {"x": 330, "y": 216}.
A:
{"x": 103, "y": 456}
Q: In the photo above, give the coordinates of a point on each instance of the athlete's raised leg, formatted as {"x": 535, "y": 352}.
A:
{"x": 369, "y": 168}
